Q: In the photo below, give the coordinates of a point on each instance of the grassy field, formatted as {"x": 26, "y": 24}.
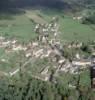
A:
{"x": 73, "y": 30}
{"x": 9, "y": 63}
{"x": 22, "y": 26}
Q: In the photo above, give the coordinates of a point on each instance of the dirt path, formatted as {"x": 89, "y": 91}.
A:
{"x": 35, "y": 17}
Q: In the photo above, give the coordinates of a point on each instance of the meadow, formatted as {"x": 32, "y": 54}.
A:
{"x": 22, "y": 25}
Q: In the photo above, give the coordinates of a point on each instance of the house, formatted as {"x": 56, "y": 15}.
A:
{"x": 81, "y": 62}
{"x": 77, "y": 18}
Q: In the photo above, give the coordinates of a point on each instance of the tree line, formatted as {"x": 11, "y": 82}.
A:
{"x": 28, "y": 88}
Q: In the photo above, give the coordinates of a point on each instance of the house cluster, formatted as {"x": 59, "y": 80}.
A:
{"x": 77, "y": 17}
{"x": 48, "y": 45}
{"x": 53, "y": 50}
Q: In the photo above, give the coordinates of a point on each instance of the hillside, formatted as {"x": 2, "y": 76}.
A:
{"x": 58, "y": 4}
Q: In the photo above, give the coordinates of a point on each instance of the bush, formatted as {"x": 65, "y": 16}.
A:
{"x": 89, "y": 20}
{"x": 86, "y": 48}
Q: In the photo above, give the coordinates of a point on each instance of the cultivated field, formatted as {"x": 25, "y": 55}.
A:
{"x": 22, "y": 26}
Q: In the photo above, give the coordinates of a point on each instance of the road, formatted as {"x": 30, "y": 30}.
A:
{"x": 36, "y": 18}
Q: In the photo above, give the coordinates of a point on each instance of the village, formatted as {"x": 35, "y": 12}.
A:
{"x": 48, "y": 46}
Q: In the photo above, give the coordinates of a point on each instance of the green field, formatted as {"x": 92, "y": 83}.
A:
{"x": 22, "y": 26}
{"x": 73, "y": 30}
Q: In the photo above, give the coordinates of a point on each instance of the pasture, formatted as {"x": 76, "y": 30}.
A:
{"x": 22, "y": 26}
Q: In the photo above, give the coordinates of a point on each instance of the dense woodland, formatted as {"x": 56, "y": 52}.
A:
{"x": 27, "y": 88}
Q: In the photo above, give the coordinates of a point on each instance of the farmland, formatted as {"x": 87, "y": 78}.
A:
{"x": 22, "y": 26}
{"x": 23, "y": 56}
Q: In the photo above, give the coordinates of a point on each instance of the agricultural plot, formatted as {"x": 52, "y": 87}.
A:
{"x": 22, "y": 26}
{"x": 36, "y": 18}
{"x": 74, "y": 30}
{"x": 7, "y": 61}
